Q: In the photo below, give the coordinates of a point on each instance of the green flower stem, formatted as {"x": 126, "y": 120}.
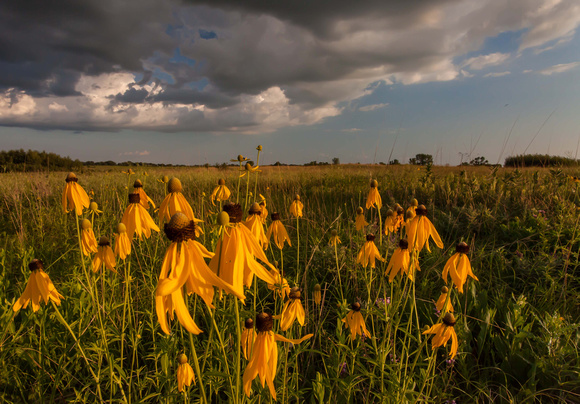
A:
{"x": 256, "y": 182}
{"x": 63, "y": 322}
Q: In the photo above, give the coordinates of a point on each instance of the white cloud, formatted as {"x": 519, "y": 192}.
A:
{"x": 136, "y": 153}
{"x": 351, "y": 130}
{"x": 483, "y": 61}
{"x": 561, "y": 68}
{"x": 373, "y": 107}
{"x": 497, "y": 74}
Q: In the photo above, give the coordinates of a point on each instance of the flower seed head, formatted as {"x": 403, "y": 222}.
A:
{"x": 86, "y": 224}
{"x": 71, "y": 177}
{"x": 221, "y": 181}
{"x": 296, "y": 197}
{"x": 259, "y": 148}
{"x": 249, "y": 323}
{"x": 355, "y": 306}
{"x": 165, "y": 179}
{"x": 93, "y": 206}
{"x": 370, "y": 237}
{"x": 234, "y": 211}
{"x": 240, "y": 158}
{"x": 462, "y": 248}
{"x": 333, "y": 233}
{"x": 248, "y": 166}
{"x": 414, "y": 202}
{"x": 275, "y": 216}
{"x": 174, "y": 185}
{"x": 400, "y": 210}
{"x": 264, "y": 322}
{"x": 421, "y": 210}
{"x": 35, "y": 264}
{"x": 390, "y": 212}
{"x": 317, "y": 288}
{"x": 182, "y": 359}
{"x": 104, "y": 241}
{"x": 294, "y": 293}
{"x": 137, "y": 184}
{"x": 134, "y": 198}
{"x": 223, "y": 219}
{"x": 359, "y": 210}
{"x": 403, "y": 243}
{"x": 374, "y": 184}
{"x": 255, "y": 209}
{"x": 121, "y": 228}
{"x": 449, "y": 319}
{"x": 444, "y": 289}
{"x": 179, "y": 228}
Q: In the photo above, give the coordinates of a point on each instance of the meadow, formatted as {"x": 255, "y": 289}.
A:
{"x": 517, "y": 325}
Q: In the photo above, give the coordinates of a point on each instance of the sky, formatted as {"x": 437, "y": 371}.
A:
{"x": 200, "y": 81}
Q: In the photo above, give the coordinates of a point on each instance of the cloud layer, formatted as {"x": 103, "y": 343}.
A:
{"x": 249, "y": 67}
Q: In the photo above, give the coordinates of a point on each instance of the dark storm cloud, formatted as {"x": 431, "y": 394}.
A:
{"x": 55, "y": 41}
{"x": 322, "y": 16}
{"x": 192, "y": 96}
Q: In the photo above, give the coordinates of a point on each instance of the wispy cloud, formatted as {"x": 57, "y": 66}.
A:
{"x": 136, "y": 153}
{"x": 351, "y": 130}
{"x": 561, "y": 68}
{"x": 483, "y": 61}
{"x": 497, "y": 74}
{"x": 373, "y": 107}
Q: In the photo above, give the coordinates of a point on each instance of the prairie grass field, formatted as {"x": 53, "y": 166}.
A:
{"x": 517, "y": 326}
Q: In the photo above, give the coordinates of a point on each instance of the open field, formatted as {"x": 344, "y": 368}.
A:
{"x": 517, "y": 326}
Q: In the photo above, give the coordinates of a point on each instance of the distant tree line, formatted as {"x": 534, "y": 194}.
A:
{"x": 539, "y": 160}
{"x": 32, "y": 160}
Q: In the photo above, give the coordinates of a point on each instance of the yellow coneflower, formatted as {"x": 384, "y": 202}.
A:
{"x": 410, "y": 214}
{"x": 39, "y": 286}
{"x": 88, "y": 240}
{"x": 334, "y": 239}
{"x": 317, "y": 294}
{"x": 185, "y": 374}
{"x": 355, "y": 321}
{"x": 137, "y": 220}
{"x": 443, "y": 331}
{"x": 183, "y": 264}
{"x": 74, "y": 196}
{"x": 293, "y": 310}
{"x": 374, "y": 198}
{"x": 262, "y": 204}
{"x": 220, "y": 193}
{"x": 360, "y": 222}
{"x": 280, "y": 286}
{"x": 264, "y": 359}
{"x": 104, "y": 255}
{"x": 400, "y": 215}
{"x": 94, "y": 208}
{"x": 143, "y": 198}
{"x": 279, "y": 231}
{"x": 440, "y": 304}
{"x": 122, "y": 243}
{"x": 256, "y": 225}
{"x": 400, "y": 262}
{"x": 391, "y": 222}
{"x": 128, "y": 172}
{"x": 236, "y": 252}
{"x": 248, "y": 338}
{"x": 296, "y": 207}
{"x": 420, "y": 229}
{"x": 248, "y": 168}
{"x": 175, "y": 202}
{"x": 458, "y": 266}
{"x": 369, "y": 253}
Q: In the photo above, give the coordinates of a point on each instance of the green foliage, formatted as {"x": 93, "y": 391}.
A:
{"x": 421, "y": 159}
{"x": 518, "y": 325}
{"x": 539, "y": 160}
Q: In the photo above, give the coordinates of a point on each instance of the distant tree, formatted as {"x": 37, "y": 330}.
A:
{"x": 421, "y": 159}
{"x": 277, "y": 164}
{"x": 394, "y": 162}
{"x": 336, "y": 161}
{"x": 479, "y": 161}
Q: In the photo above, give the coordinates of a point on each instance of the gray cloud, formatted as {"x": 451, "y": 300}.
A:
{"x": 269, "y": 64}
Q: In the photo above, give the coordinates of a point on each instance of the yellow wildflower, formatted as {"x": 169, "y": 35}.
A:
{"x": 88, "y": 240}
{"x": 369, "y": 253}
{"x": 443, "y": 331}
{"x": 355, "y": 321}
{"x": 374, "y": 198}
{"x": 104, "y": 255}
{"x": 296, "y": 207}
{"x": 74, "y": 196}
{"x": 279, "y": 231}
{"x": 39, "y": 286}
{"x": 420, "y": 229}
{"x": 360, "y": 222}
{"x": 458, "y": 266}
{"x": 184, "y": 373}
